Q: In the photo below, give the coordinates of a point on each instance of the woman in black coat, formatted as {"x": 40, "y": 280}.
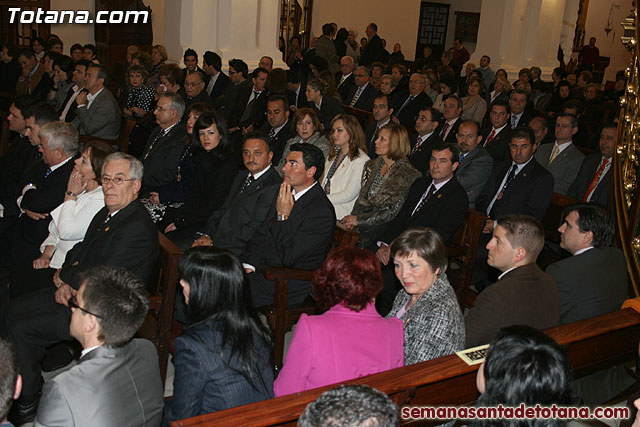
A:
{"x": 215, "y": 170}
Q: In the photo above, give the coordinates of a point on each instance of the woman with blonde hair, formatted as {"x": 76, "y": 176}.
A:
{"x": 385, "y": 184}
{"x": 326, "y": 106}
{"x": 344, "y": 165}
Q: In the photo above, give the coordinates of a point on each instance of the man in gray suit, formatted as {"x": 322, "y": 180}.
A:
{"x": 97, "y": 113}
{"x": 591, "y": 282}
{"x": 117, "y": 380}
{"x": 326, "y": 49}
{"x": 562, "y": 158}
{"x": 475, "y": 162}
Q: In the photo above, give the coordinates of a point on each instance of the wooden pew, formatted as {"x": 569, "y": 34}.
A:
{"x": 126, "y": 127}
{"x": 553, "y": 217}
{"x": 591, "y": 344}
{"x": 364, "y": 117}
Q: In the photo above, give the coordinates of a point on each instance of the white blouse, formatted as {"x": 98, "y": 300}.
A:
{"x": 345, "y": 183}
{"x": 69, "y": 223}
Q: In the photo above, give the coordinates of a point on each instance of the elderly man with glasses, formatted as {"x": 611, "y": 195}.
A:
{"x": 121, "y": 235}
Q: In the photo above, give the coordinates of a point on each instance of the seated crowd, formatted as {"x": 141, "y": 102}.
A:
{"x": 256, "y": 169}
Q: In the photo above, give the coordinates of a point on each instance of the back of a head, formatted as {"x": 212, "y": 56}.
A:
{"x": 354, "y": 405}
{"x": 524, "y": 365}
{"x": 61, "y": 135}
{"x": 8, "y": 376}
{"x": 42, "y": 113}
{"x": 120, "y": 299}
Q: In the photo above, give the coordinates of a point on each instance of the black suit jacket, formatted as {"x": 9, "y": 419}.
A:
{"x": 161, "y": 160}
{"x": 498, "y": 148}
{"x": 235, "y": 223}
{"x": 28, "y": 234}
{"x": 444, "y": 211}
{"x": 365, "y": 100}
{"x": 302, "y": 242}
{"x": 13, "y": 164}
{"x": 370, "y": 136}
{"x": 329, "y": 108}
{"x": 420, "y": 159}
{"x": 407, "y": 117}
{"x": 587, "y": 172}
{"x": 301, "y": 102}
{"x": 451, "y": 135}
{"x": 279, "y": 141}
{"x": 219, "y": 86}
{"x": 258, "y": 108}
{"x": 529, "y": 193}
{"x": 345, "y": 88}
{"x": 373, "y": 51}
{"x": 129, "y": 239}
{"x": 524, "y": 120}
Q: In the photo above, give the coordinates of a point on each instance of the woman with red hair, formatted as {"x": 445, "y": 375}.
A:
{"x": 350, "y": 339}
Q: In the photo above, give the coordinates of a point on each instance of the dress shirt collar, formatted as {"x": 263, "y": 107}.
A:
{"x": 561, "y": 147}
{"x": 91, "y": 97}
{"x": 88, "y": 350}
{"x": 383, "y": 123}
{"x": 498, "y": 130}
{"x": 440, "y": 184}
{"x": 167, "y": 130}
{"x": 262, "y": 172}
{"x": 54, "y": 167}
{"x": 319, "y": 104}
{"x": 506, "y": 271}
{"x": 424, "y": 137}
{"x": 297, "y": 195}
{"x": 583, "y": 250}
{"x": 276, "y": 130}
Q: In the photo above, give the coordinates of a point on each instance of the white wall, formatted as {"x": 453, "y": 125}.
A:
{"x": 609, "y": 45}
{"x": 397, "y": 19}
{"x": 73, "y": 33}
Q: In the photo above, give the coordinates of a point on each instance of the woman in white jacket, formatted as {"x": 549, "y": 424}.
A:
{"x": 343, "y": 168}
{"x": 69, "y": 221}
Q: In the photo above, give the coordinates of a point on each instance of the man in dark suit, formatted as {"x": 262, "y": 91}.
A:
{"x": 252, "y": 194}
{"x": 519, "y": 186}
{"x": 218, "y": 81}
{"x": 475, "y": 162}
{"x": 425, "y": 139}
{"x": 518, "y": 104}
{"x": 277, "y": 126}
{"x": 120, "y": 373}
{"x": 591, "y": 282}
{"x": 344, "y": 78}
{"x": 451, "y": 110}
{"x": 194, "y": 89}
{"x": 190, "y": 59}
{"x": 298, "y": 228}
{"x": 382, "y": 112}
{"x": 496, "y": 139}
{"x": 540, "y": 129}
{"x": 40, "y": 190}
{"x": 362, "y": 93}
{"x": 249, "y": 110}
{"x": 523, "y": 294}
{"x": 374, "y": 50}
{"x": 406, "y": 106}
{"x": 592, "y": 182}
{"x": 296, "y": 91}
{"x": 121, "y": 234}
{"x": 165, "y": 145}
{"x": 437, "y": 201}
{"x": 98, "y": 113}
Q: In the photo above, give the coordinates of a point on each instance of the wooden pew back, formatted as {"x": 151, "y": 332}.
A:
{"x": 591, "y": 344}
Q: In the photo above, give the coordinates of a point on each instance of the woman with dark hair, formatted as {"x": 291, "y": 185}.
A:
{"x": 277, "y": 82}
{"x": 37, "y": 46}
{"x": 174, "y": 193}
{"x": 343, "y": 168}
{"x": 308, "y": 131}
{"x": 385, "y": 183}
{"x": 447, "y": 86}
{"x": 140, "y": 95}
{"x": 501, "y": 73}
{"x": 69, "y": 221}
{"x": 46, "y": 83}
{"x": 524, "y": 365}
{"x": 295, "y": 53}
{"x": 325, "y": 106}
{"x": 222, "y": 359}
{"x": 215, "y": 170}
{"x": 433, "y": 323}
{"x": 63, "y": 67}
{"x": 349, "y": 340}
{"x": 341, "y": 42}
{"x": 474, "y": 105}
{"x": 561, "y": 95}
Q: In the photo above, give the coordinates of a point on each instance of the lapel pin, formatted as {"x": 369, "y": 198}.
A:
{"x": 438, "y": 196}
{"x": 106, "y": 229}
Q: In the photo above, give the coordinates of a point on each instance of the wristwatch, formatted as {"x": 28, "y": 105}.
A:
{"x": 282, "y": 217}
{"x": 69, "y": 193}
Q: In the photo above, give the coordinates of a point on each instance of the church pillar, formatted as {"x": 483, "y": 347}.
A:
{"x": 245, "y": 29}
{"x": 521, "y": 33}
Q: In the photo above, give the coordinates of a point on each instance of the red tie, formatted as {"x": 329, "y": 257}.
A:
{"x": 444, "y": 130}
{"x": 595, "y": 180}
{"x": 493, "y": 133}
{"x": 416, "y": 147}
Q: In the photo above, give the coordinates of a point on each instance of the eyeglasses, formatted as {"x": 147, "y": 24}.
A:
{"x": 73, "y": 303}
{"x": 163, "y": 109}
{"x": 116, "y": 181}
{"x": 189, "y": 84}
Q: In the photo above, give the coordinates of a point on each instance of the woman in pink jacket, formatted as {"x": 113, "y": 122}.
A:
{"x": 350, "y": 339}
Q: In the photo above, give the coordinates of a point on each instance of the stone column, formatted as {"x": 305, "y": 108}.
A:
{"x": 245, "y": 29}
{"x": 521, "y": 33}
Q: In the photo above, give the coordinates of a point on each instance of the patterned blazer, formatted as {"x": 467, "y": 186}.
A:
{"x": 433, "y": 326}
